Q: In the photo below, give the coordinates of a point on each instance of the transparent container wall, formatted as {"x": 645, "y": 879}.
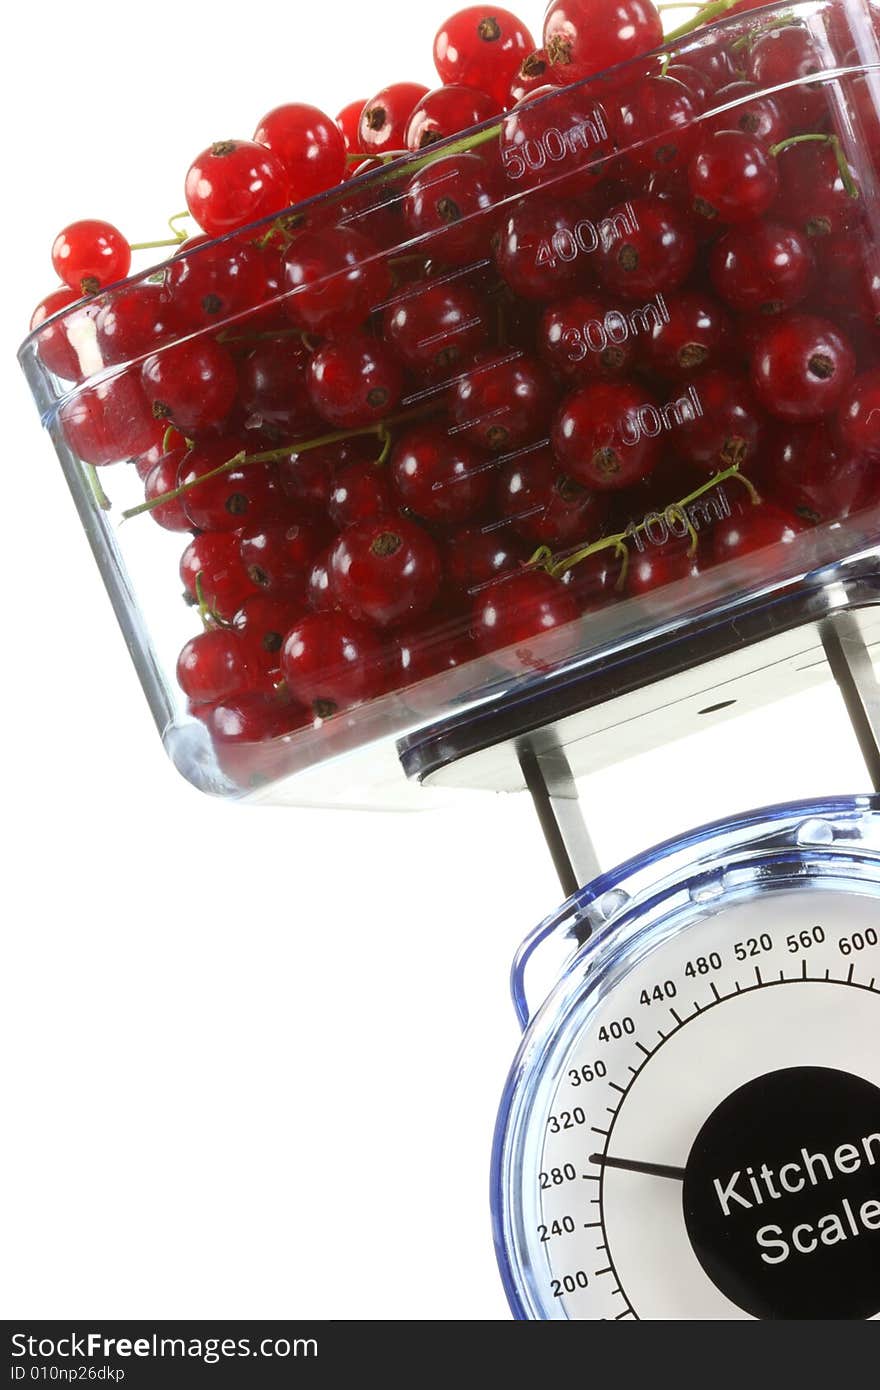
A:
{"x": 583, "y": 373}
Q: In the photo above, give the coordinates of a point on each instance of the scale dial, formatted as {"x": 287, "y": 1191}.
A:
{"x": 692, "y": 1129}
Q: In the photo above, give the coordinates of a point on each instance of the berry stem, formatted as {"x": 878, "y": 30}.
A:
{"x": 557, "y": 568}
{"x": 846, "y": 177}
{"x": 705, "y": 15}
{"x": 98, "y": 492}
{"x": 153, "y": 245}
{"x": 384, "y": 158}
{"x": 178, "y": 231}
{"x": 242, "y": 459}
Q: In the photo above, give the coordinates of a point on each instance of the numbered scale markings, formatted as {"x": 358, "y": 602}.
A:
{"x": 692, "y": 1128}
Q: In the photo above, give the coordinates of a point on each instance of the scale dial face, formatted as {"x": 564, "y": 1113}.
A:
{"x": 696, "y": 1135}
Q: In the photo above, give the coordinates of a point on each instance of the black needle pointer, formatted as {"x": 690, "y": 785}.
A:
{"x": 629, "y": 1165}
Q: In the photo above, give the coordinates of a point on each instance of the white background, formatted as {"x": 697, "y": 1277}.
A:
{"x": 251, "y": 1059}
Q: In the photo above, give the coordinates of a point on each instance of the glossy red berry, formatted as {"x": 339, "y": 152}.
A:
{"x": 744, "y": 106}
{"x": 859, "y": 415}
{"x": 482, "y": 47}
{"x": 386, "y": 571}
{"x": 320, "y": 596}
{"x": 763, "y": 269}
{"x": 215, "y": 282}
{"x": 733, "y": 177}
{"x": 504, "y": 401}
{"x": 349, "y": 123}
{"x": 477, "y": 556}
{"x": 439, "y": 477}
{"x": 658, "y": 566}
{"x": 436, "y": 328}
{"x": 451, "y": 207}
{"x": 333, "y": 280}
{"x": 685, "y": 334}
{"x": 162, "y": 479}
{"x": 278, "y": 552}
{"x": 729, "y": 427}
{"x": 558, "y": 141}
{"x": 90, "y": 254}
{"x": 812, "y": 474}
{"x": 532, "y": 74}
{"x": 331, "y": 662}
{"x": 236, "y": 497}
{"x": 211, "y": 567}
{"x": 272, "y": 388}
{"x": 108, "y": 421}
{"x": 448, "y": 111}
{"x": 309, "y": 146}
{"x": 537, "y": 250}
{"x": 354, "y": 381}
{"x": 584, "y": 37}
{"x": 786, "y": 58}
{"x": 584, "y": 339}
{"x": 524, "y": 620}
{"x": 234, "y": 183}
{"x": 135, "y": 322}
{"x": 645, "y": 246}
{"x": 606, "y": 435}
{"x": 431, "y": 648}
{"x": 546, "y": 506}
{"x": 55, "y": 348}
{"x": 360, "y": 491}
{"x": 213, "y": 665}
{"x": 263, "y": 622}
{"x": 655, "y": 123}
{"x": 753, "y": 528}
{"x": 251, "y": 718}
{"x": 385, "y": 117}
{"x": 813, "y": 191}
{"x": 801, "y": 368}
{"x": 192, "y": 384}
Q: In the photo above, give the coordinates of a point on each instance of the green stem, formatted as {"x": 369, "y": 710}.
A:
{"x": 846, "y": 177}
{"x": 243, "y": 459}
{"x": 386, "y": 440}
{"x": 153, "y": 245}
{"x": 706, "y": 15}
{"x": 178, "y": 232}
{"x": 386, "y": 157}
{"x": 98, "y": 492}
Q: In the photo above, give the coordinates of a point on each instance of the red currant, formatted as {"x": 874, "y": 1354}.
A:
{"x": 439, "y": 477}
{"x": 320, "y": 595}
{"x": 744, "y": 106}
{"x": 349, "y": 123}
{"x": 192, "y": 384}
{"x": 56, "y": 351}
{"x": 584, "y": 37}
{"x": 525, "y": 619}
{"x": 435, "y": 328}
{"x": 247, "y": 719}
{"x": 331, "y": 662}
{"x": 426, "y": 650}
{"x": 532, "y": 74}
{"x": 161, "y": 480}
{"x": 279, "y": 552}
{"x": 733, "y": 177}
{"x": 811, "y": 474}
{"x": 211, "y": 566}
{"x": 88, "y": 255}
{"x": 801, "y": 368}
{"x": 234, "y": 183}
{"x": 689, "y": 332}
{"x": 108, "y": 422}
{"x": 135, "y": 322}
{"x": 556, "y": 140}
{"x": 309, "y": 146}
{"x": 785, "y": 58}
{"x": 263, "y": 622}
{"x": 272, "y": 386}
{"x": 661, "y": 565}
{"x": 450, "y": 206}
{"x": 504, "y": 401}
{"x": 605, "y": 435}
{"x": 360, "y": 491}
{"x": 214, "y": 282}
{"x": 477, "y": 556}
{"x": 764, "y": 269}
{"x": 583, "y": 339}
{"x": 813, "y": 188}
{"x": 214, "y": 665}
{"x": 484, "y": 48}
{"x": 532, "y": 248}
{"x": 385, "y": 118}
{"x": 645, "y": 246}
{"x": 729, "y": 430}
{"x": 307, "y": 478}
{"x": 859, "y": 417}
{"x": 234, "y": 498}
{"x": 355, "y": 381}
{"x": 385, "y": 571}
{"x": 446, "y": 112}
{"x": 334, "y": 280}
{"x": 545, "y": 506}
{"x": 655, "y": 123}
{"x": 756, "y": 528}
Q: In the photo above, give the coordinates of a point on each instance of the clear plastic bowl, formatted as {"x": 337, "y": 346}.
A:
{"x": 640, "y": 333}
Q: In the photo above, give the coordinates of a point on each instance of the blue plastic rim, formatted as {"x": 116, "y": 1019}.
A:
{"x": 608, "y": 923}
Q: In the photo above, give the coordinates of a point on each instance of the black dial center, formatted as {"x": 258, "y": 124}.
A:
{"x": 781, "y": 1195}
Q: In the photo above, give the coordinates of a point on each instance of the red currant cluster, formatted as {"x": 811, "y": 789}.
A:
{"x": 483, "y": 389}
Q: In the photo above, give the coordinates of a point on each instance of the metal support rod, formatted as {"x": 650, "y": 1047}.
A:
{"x": 852, "y": 668}
{"x": 555, "y": 798}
